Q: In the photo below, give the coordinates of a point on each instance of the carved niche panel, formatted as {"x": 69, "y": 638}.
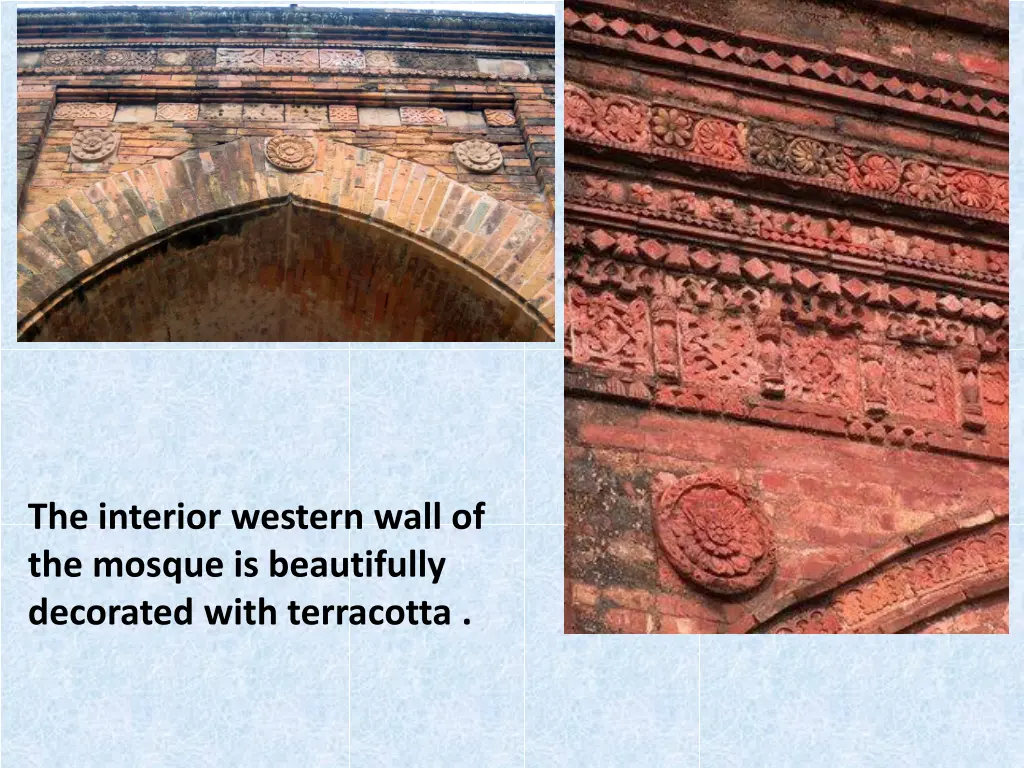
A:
{"x": 821, "y": 368}
{"x": 922, "y": 383}
{"x": 718, "y": 349}
{"x": 609, "y": 332}
{"x": 995, "y": 392}
{"x": 713, "y": 533}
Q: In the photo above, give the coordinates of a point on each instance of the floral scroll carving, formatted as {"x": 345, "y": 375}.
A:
{"x": 713, "y": 533}
{"x": 614, "y": 118}
{"x": 669, "y": 130}
{"x": 610, "y": 332}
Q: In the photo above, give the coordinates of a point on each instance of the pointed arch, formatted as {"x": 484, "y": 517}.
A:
{"x": 73, "y": 243}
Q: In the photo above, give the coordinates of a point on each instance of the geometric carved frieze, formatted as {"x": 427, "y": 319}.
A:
{"x": 621, "y": 121}
{"x": 305, "y": 113}
{"x": 341, "y": 59}
{"x": 343, "y": 113}
{"x": 171, "y": 111}
{"x": 132, "y": 59}
{"x": 500, "y": 117}
{"x": 890, "y": 431}
{"x": 813, "y": 64}
{"x": 785, "y": 229}
{"x": 422, "y": 116}
{"x": 813, "y": 298}
{"x": 240, "y": 58}
{"x": 80, "y": 110}
{"x": 301, "y": 58}
{"x": 713, "y": 533}
{"x": 99, "y": 58}
{"x": 186, "y": 57}
{"x": 695, "y": 342}
{"x": 379, "y": 60}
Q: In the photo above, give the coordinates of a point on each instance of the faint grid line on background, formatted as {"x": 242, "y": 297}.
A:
{"x": 525, "y": 506}
{"x": 348, "y": 429}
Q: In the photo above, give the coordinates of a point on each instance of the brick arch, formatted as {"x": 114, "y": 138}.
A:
{"x": 950, "y": 563}
{"x": 73, "y": 243}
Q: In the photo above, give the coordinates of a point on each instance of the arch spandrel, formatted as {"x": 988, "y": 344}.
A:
{"x": 73, "y": 243}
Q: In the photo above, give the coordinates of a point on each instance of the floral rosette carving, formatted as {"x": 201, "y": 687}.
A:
{"x": 479, "y": 156}
{"x": 813, "y": 158}
{"x": 93, "y": 144}
{"x": 717, "y": 139}
{"x": 580, "y": 113}
{"x": 625, "y": 120}
{"x": 875, "y": 172}
{"x": 290, "y": 153}
{"x": 713, "y": 533}
{"x": 613, "y": 118}
{"x": 971, "y": 190}
{"x": 768, "y": 148}
{"x": 672, "y": 127}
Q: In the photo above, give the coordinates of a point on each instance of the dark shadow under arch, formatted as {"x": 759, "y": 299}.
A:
{"x": 285, "y": 270}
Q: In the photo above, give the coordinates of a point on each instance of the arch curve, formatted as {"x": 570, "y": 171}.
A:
{"x": 74, "y": 243}
{"x": 949, "y": 563}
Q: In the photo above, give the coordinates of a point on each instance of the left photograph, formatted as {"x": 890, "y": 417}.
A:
{"x": 194, "y": 174}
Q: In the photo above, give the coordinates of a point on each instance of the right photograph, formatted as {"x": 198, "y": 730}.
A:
{"x": 786, "y": 316}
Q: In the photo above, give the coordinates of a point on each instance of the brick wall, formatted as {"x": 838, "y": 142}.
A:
{"x": 412, "y": 86}
{"x": 786, "y": 303}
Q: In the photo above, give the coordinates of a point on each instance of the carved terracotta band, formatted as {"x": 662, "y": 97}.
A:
{"x": 906, "y": 582}
{"x": 206, "y": 59}
{"x": 727, "y": 265}
{"x": 620, "y": 122}
{"x": 787, "y": 230}
{"x": 640, "y": 389}
{"x": 885, "y": 83}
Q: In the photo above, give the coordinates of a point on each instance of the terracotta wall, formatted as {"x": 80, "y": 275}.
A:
{"x": 786, "y": 302}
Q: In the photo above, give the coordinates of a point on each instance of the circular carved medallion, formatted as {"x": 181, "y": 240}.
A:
{"x": 713, "y": 533}
{"x": 479, "y": 156}
{"x": 291, "y": 153}
{"x": 92, "y": 144}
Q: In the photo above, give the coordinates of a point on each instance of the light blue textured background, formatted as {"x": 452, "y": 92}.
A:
{"x": 274, "y": 426}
